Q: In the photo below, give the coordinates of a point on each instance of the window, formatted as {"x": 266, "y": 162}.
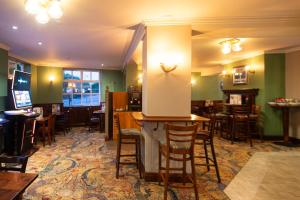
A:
{"x": 81, "y": 88}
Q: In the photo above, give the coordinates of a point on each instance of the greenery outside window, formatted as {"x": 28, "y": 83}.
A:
{"x": 81, "y": 88}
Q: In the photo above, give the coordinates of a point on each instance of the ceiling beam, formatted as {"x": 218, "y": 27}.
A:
{"x": 137, "y": 37}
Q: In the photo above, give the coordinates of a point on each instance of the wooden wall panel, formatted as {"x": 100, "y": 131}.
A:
{"x": 120, "y": 100}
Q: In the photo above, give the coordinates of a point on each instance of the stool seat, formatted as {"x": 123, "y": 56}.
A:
{"x": 135, "y": 136}
{"x": 131, "y": 131}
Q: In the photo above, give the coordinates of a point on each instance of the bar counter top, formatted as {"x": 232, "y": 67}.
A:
{"x": 140, "y": 117}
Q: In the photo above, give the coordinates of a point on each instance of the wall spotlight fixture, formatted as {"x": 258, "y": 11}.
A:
{"x": 51, "y": 79}
{"x": 193, "y": 81}
{"x": 225, "y": 73}
{"x": 140, "y": 78}
{"x": 250, "y": 69}
{"x": 168, "y": 68}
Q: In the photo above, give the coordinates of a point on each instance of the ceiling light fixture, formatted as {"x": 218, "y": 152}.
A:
{"x": 230, "y": 45}
{"x": 14, "y": 27}
{"x": 40, "y": 43}
{"x": 44, "y": 9}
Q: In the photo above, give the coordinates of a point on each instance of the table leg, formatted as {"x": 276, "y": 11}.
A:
{"x": 285, "y": 124}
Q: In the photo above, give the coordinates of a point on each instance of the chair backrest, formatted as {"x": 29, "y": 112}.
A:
{"x": 14, "y": 163}
{"x": 51, "y": 123}
{"x": 243, "y": 109}
{"x": 181, "y": 135}
{"x": 256, "y": 109}
{"x": 218, "y": 107}
{"x": 212, "y": 125}
{"x": 117, "y": 123}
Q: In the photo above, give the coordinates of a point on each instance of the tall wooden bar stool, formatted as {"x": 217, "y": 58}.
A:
{"x": 178, "y": 146}
{"x": 221, "y": 118}
{"x": 206, "y": 138}
{"x": 241, "y": 123}
{"x": 128, "y": 136}
{"x": 254, "y": 121}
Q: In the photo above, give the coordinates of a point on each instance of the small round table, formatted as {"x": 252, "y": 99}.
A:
{"x": 285, "y": 109}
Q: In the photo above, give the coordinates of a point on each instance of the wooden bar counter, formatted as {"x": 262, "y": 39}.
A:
{"x": 153, "y": 131}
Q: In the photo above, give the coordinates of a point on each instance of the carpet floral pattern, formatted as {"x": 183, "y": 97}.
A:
{"x": 81, "y": 165}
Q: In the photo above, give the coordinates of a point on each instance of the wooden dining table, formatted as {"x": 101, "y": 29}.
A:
{"x": 13, "y": 184}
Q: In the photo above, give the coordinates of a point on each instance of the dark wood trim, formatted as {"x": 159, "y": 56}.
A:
{"x": 241, "y": 91}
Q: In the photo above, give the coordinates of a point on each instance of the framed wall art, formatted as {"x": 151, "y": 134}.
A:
{"x": 239, "y": 75}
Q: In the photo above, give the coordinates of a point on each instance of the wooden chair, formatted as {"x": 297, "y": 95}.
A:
{"x": 220, "y": 118}
{"x": 128, "y": 136}
{"x": 206, "y": 138}
{"x": 13, "y": 163}
{"x": 240, "y": 123}
{"x": 93, "y": 121}
{"x": 62, "y": 122}
{"x": 178, "y": 146}
{"x": 48, "y": 128}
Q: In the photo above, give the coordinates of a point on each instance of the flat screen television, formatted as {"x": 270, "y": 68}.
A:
{"x": 22, "y": 99}
{"x": 21, "y": 81}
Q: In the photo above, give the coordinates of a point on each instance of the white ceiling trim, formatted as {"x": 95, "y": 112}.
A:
{"x": 21, "y": 58}
{"x": 284, "y": 50}
{"x": 222, "y": 20}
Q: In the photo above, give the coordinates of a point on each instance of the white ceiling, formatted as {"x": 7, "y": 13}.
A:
{"x": 95, "y": 32}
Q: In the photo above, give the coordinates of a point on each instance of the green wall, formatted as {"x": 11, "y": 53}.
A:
{"x": 113, "y": 79}
{"x": 256, "y": 80}
{"x": 42, "y": 90}
{"x": 45, "y": 92}
{"x": 206, "y": 87}
{"x": 274, "y": 88}
{"x": 131, "y": 74}
{"x": 269, "y": 78}
{"x": 3, "y": 77}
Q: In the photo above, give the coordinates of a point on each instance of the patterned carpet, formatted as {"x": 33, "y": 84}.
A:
{"x": 81, "y": 165}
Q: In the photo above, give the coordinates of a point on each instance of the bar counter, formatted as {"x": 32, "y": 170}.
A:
{"x": 153, "y": 131}
{"x": 140, "y": 117}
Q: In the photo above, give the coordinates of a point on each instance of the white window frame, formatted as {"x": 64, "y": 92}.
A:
{"x": 81, "y": 81}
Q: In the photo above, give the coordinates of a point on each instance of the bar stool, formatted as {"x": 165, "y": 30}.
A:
{"x": 132, "y": 136}
{"x": 241, "y": 123}
{"x": 205, "y": 138}
{"x": 178, "y": 146}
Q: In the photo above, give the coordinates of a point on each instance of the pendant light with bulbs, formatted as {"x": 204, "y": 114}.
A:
{"x": 44, "y": 10}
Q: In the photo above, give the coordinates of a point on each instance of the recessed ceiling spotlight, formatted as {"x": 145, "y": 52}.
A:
{"x": 102, "y": 65}
{"x": 40, "y": 43}
{"x": 14, "y": 27}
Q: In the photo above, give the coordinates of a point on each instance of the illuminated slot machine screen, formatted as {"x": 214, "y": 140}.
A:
{"x": 22, "y": 99}
{"x": 21, "y": 90}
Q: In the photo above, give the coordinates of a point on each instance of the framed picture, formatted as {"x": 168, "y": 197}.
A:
{"x": 239, "y": 75}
